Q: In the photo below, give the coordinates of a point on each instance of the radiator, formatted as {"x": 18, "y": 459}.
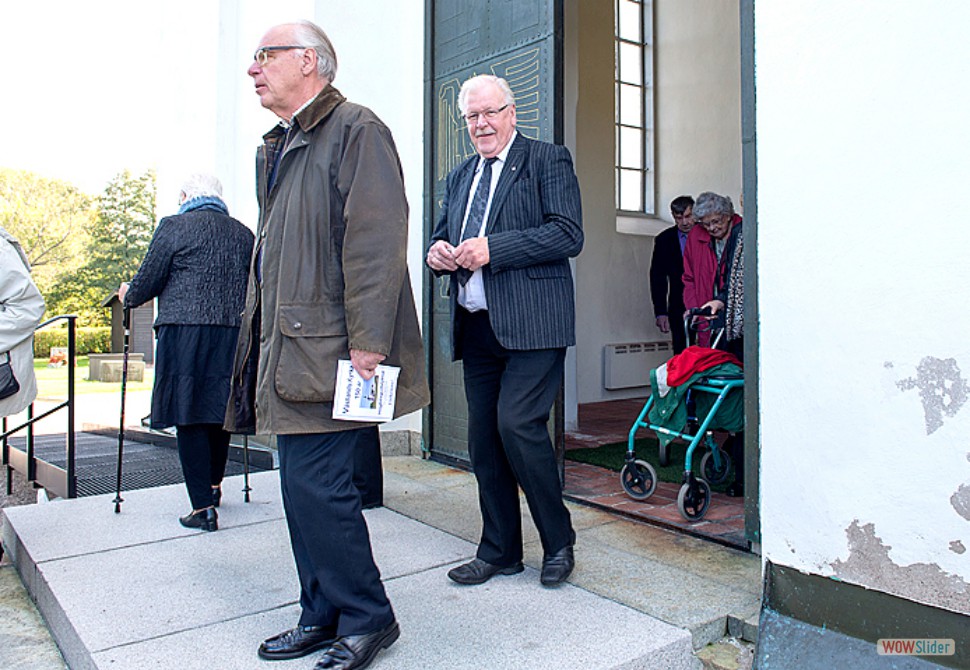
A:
{"x": 628, "y": 365}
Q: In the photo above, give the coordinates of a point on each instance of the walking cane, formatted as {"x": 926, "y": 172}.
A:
{"x": 125, "y": 320}
{"x": 246, "y": 488}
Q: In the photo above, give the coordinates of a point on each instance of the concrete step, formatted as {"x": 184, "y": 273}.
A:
{"x": 136, "y": 590}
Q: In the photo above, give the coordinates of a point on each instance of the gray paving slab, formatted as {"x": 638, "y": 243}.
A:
{"x": 181, "y": 583}
{"x": 196, "y": 578}
{"x": 226, "y": 645}
{"x": 682, "y": 580}
{"x": 87, "y": 525}
{"x": 447, "y": 499}
{"x": 136, "y": 590}
{"x": 664, "y": 591}
{"x": 508, "y": 623}
{"x": 24, "y": 641}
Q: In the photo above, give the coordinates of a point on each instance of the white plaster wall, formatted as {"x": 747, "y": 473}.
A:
{"x": 698, "y": 147}
{"x": 863, "y": 159}
{"x": 380, "y": 55}
{"x": 698, "y": 99}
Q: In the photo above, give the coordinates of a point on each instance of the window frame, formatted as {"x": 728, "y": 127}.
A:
{"x": 646, "y": 174}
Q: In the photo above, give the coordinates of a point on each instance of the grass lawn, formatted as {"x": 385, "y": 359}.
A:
{"x": 612, "y": 457}
{"x": 52, "y": 382}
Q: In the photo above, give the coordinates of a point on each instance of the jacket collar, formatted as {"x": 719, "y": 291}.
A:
{"x": 319, "y": 109}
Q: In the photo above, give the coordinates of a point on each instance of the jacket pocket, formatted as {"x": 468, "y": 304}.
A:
{"x": 313, "y": 337}
{"x": 553, "y": 270}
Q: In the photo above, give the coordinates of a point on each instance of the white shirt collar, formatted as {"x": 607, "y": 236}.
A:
{"x": 501, "y": 156}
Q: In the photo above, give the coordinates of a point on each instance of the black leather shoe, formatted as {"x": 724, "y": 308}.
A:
{"x": 356, "y": 652}
{"x": 557, "y": 567}
{"x": 297, "y": 642}
{"x": 205, "y": 519}
{"x": 216, "y": 496}
{"x": 478, "y": 571}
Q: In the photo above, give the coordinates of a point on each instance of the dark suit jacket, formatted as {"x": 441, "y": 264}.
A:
{"x": 667, "y": 276}
{"x": 534, "y": 226}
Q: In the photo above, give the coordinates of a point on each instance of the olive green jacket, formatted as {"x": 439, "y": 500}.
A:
{"x": 329, "y": 272}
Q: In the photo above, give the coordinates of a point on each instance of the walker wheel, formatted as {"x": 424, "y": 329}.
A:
{"x": 711, "y": 472}
{"x": 639, "y": 479}
{"x": 664, "y": 455}
{"x": 693, "y": 501}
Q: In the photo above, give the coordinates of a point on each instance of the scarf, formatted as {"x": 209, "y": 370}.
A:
{"x": 205, "y": 202}
{"x": 735, "y": 293}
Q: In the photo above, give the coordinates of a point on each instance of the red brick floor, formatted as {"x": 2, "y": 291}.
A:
{"x": 606, "y": 422}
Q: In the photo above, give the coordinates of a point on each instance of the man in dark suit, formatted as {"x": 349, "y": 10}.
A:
{"x": 507, "y": 247}
{"x": 667, "y": 272}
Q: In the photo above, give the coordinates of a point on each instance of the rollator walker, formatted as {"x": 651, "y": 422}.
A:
{"x": 639, "y": 478}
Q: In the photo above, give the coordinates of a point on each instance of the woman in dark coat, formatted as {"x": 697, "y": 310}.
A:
{"x": 197, "y": 266}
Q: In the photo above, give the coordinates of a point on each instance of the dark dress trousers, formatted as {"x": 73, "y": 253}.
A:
{"x": 667, "y": 284}
{"x": 342, "y": 584}
{"x": 368, "y": 468}
{"x": 512, "y": 353}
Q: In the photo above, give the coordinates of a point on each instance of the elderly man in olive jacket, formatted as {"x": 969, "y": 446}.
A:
{"x": 329, "y": 281}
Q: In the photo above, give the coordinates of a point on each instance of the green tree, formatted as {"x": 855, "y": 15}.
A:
{"x": 50, "y": 218}
{"x": 126, "y": 221}
{"x": 117, "y": 243}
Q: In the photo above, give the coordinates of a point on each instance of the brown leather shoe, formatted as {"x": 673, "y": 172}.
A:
{"x": 478, "y": 571}
{"x": 557, "y": 567}
{"x": 356, "y": 652}
{"x": 297, "y": 642}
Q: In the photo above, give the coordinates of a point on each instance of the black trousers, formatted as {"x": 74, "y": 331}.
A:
{"x": 368, "y": 469}
{"x": 340, "y": 584}
{"x": 678, "y": 334}
{"x": 510, "y": 394}
{"x": 203, "y": 450}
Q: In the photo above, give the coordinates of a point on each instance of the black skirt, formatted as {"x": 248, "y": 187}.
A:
{"x": 193, "y": 366}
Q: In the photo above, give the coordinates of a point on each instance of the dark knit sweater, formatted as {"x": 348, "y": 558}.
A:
{"x": 197, "y": 265}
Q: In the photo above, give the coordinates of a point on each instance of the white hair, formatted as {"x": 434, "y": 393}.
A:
{"x": 201, "y": 185}
{"x": 477, "y": 82}
{"x": 311, "y": 36}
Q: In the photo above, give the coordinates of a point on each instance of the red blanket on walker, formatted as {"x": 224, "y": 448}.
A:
{"x": 695, "y": 359}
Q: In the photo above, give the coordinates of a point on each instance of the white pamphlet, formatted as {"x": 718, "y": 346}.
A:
{"x": 357, "y": 399}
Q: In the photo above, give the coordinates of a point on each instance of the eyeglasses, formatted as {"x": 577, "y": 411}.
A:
{"x": 715, "y": 221}
{"x": 261, "y": 55}
{"x": 489, "y": 114}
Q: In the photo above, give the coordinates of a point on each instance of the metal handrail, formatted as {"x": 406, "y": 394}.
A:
{"x": 50, "y": 476}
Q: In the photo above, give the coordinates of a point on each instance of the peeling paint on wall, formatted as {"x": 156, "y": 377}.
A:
{"x": 942, "y": 389}
{"x": 961, "y": 501}
{"x": 869, "y": 565}
{"x": 957, "y": 547}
